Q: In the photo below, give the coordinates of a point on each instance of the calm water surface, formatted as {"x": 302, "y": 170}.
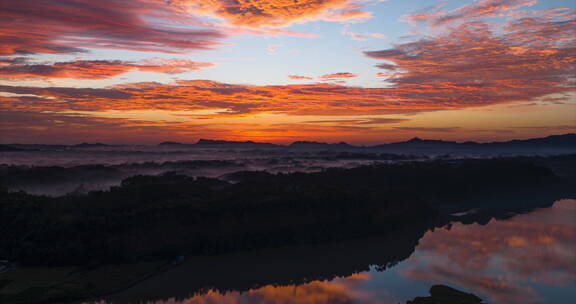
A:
{"x": 529, "y": 258}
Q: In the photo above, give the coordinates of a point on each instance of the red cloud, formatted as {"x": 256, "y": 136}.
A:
{"x": 53, "y": 26}
{"x": 98, "y": 69}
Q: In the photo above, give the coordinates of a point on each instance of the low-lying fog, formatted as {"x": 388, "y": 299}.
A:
{"x": 60, "y": 171}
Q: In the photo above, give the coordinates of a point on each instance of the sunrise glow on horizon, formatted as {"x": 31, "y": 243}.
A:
{"x": 359, "y": 71}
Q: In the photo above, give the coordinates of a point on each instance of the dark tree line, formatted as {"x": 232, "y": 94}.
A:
{"x": 161, "y": 217}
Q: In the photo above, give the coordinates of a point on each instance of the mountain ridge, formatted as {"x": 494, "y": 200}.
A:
{"x": 567, "y": 140}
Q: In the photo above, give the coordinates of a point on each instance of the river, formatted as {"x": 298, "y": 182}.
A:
{"x": 524, "y": 258}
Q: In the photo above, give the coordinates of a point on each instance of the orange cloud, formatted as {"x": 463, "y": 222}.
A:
{"x": 53, "y": 26}
{"x": 388, "y": 74}
{"x": 98, "y": 69}
{"x": 481, "y": 74}
{"x": 300, "y": 77}
{"x": 338, "y": 75}
{"x": 44, "y": 127}
{"x": 366, "y": 121}
{"x": 307, "y": 99}
{"x": 276, "y": 13}
{"x": 472, "y": 64}
{"x": 157, "y": 126}
{"x": 334, "y": 76}
{"x": 427, "y": 129}
{"x": 521, "y": 60}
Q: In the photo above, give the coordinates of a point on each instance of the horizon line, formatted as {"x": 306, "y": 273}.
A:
{"x": 286, "y": 143}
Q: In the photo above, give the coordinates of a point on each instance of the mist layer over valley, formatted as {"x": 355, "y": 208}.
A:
{"x": 60, "y": 169}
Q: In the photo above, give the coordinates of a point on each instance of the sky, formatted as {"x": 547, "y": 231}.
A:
{"x": 360, "y": 71}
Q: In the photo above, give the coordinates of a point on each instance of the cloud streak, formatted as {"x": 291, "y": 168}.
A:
{"x": 366, "y": 121}
{"x": 97, "y": 69}
{"x": 338, "y": 75}
{"x": 299, "y": 77}
{"x": 326, "y": 77}
{"x": 230, "y": 99}
{"x": 72, "y": 26}
{"x": 427, "y": 129}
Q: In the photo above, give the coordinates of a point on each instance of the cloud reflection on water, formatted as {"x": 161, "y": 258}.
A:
{"x": 505, "y": 260}
{"x": 338, "y": 291}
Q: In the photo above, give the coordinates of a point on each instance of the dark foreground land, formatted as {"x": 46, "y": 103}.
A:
{"x": 150, "y": 222}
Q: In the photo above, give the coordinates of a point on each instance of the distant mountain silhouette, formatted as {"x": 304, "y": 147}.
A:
{"x": 553, "y": 141}
{"x": 33, "y": 147}
{"x": 44, "y": 147}
{"x": 94, "y": 145}
{"x": 210, "y": 143}
{"x": 9, "y": 148}
{"x": 565, "y": 141}
{"x": 249, "y": 143}
{"x": 422, "y": 143}
{"x": 171, "y": 143}
{"x": 320, "y": 145}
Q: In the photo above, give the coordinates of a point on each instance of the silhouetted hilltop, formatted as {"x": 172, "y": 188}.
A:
{"x": 34, "y": 147}
{"x": 240, "y": 144}
{"x": 211, "y": 143}
{"x": 171, "y": 143}
{"x": 94, "y": 145}
{"x": 553, "y": 143}
{"x": 44, "y": 147}
{"x": 565, "y": 141}
{"x": 417, "y": 142}
{"x": 9, "y": 148}
{"x": 314, "y": 145}
{"x": 559, "y": 141}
